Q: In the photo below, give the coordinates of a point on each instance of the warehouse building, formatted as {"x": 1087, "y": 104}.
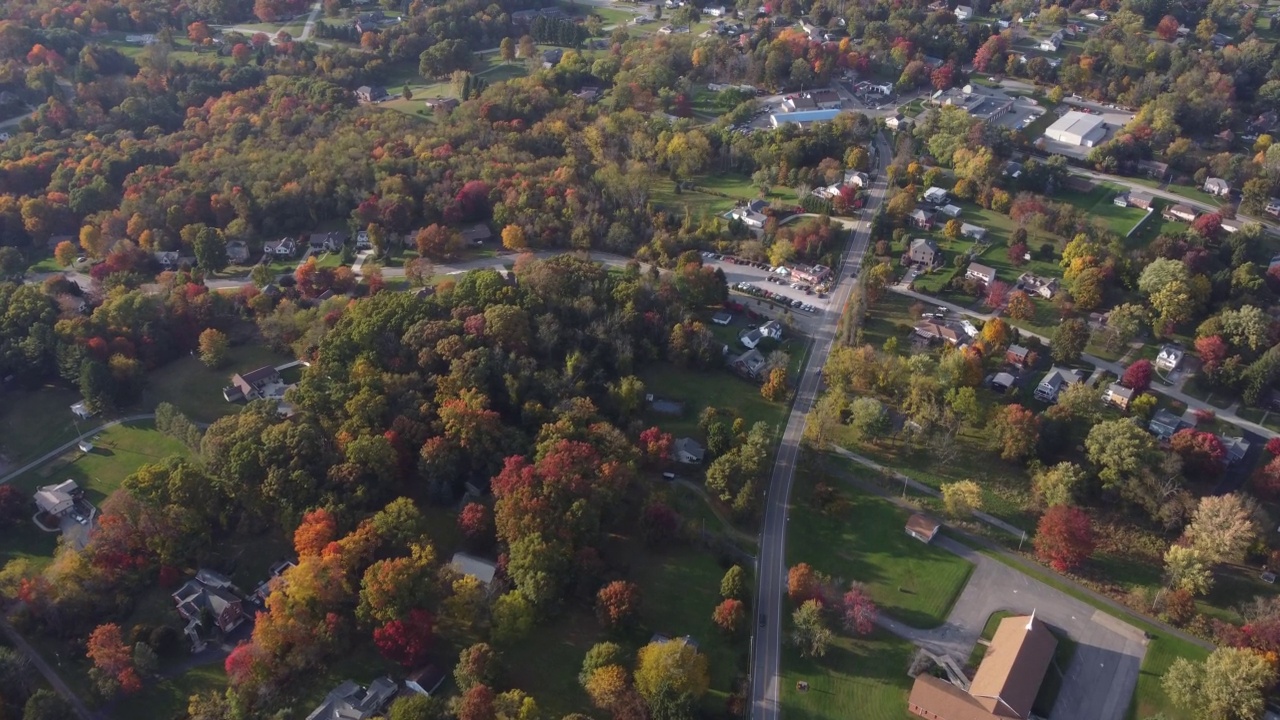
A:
{"x": 1078, "y": 129}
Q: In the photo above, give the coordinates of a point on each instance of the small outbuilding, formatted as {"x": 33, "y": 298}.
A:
{"x": 923, "y": 528}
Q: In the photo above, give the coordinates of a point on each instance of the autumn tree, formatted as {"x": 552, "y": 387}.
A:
{"x": 1167, "y": 28}
{"x": 1186, "y": 568}
{"x": 406, "y": 641}
{"x": 734, "y": 583}
{"x": 1058, "y": 485}
{"x": 477, "y": 665}
{"x": 213, "y": 348}
{"x": 618, "y": 604}
{"x": 112, "y": 660}
{"x": 1224, "y": 526}
{"x": 513, "y": 238}
{"x": 857, "y": 610}
{"x": 438, "y": 242}
{"x": 317, "y": 529}
{"x": 730, "y": 615}
{"x": 1230, "y": 684}
{"x": 1202, "y": 453}
{"x": 475, "y": 521}
{"x": 775, "y": 387}
{"x": 1019, "y": 306}
{"x": 674, "y": 667}
{"x": 961, "y": 498}
{"x": 513, "y": 618}
{"x": 810, "y": 632}
{"x": 1014, "y": 431}
{"x": 802, "y": 583}
{"x": 65, "y": 253}
{"x": 1138, "y": 375}
{"x": 476, "y": 703}
{"x": 507, "y": 50}
{"x": 1064, "y": 537}
{"x": 1069, "y": 340}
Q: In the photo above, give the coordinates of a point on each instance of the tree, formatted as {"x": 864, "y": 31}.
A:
{"x": 412, "y": 707}
{"x": 1069, "y": 340}
{"x": 995, "y": 333}
{"x": 477, "y": 665}
{"x": 438, "y": 242}
{"x": 210, "y": 248}
{"x": 13, "y": 505}
{"x": 1138, "y": 375}
{"x": 213, "y": 348}
{"x": 961, "y": 498}
{"x": 112, "y": 658}
{"x": 952, "y": 230}
{"x": 513, "y": 238}
{"x": 317, "y": 529}
{"x": 527, "y": 47}
{"x": 810, "y": 632}
{"x": 858, "y": 611}
{"x": 407, "y": 641}
{"x": 673, "y": 666}
{"x": 507, "y": 50}
{"x": 1058, "y": 485}
{"x": 1064, "y": 537}
{"x": 1167, "y": 28}
{"x": 513, "y": 618}
{"x": 867, "y": 418}
{"x": 1077, "y": 400}
{"x": 1224, "y": 526}
{"x": 802, "y": 583}
{"x": 1202, "y": 453}
{"x": 618, "y": 604}
{"x": 774, "y": 388}
{"x": 1014, "y": 432}
{"x": 607, "y": 687}
{"x": 1186, "y": 568}
{"x": 1231, "y": 684}
{"x": 47, "y": 705}
{"x": 600, "y": 655}
{"x": 65, "y": 253}
{"x": 1019, "y": 306}
{"x": 730, "y": 615}
{"x": 476, "y": 704}
{"x": 734, "y": 583}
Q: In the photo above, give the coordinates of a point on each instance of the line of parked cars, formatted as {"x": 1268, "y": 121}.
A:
{"x": 757, "y": 291}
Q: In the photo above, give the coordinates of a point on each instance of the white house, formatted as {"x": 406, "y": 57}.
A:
{"x": 935, "y": 195}
{"x": 714, "y": 11}
{"x": 973, "y": 231}
{"x": 81, "y": 410}
{"x": 478, "y": 568}
{"x": 1169, "y": 358}
{"x": 771, "y": 329}
{"x": 963, "y": 12}
{"x": 982, "y": 273}
{"x": 855, "y": 178}
{"x": 688, "y": 451}
{"x": 1055, "y": 381}
{"x": 1052, "y": 43}
{"x": 1217, "y": 187}
{"x": 57, "y": 499}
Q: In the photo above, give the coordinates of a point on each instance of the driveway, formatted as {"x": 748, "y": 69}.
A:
{"x": 1103, "y": 672}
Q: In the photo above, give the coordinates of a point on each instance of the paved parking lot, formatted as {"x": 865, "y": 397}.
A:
{"x": 735, "y": 274}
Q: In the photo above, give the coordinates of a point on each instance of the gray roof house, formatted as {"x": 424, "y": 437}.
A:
{"x": 1237, "y": 448}
{"x": 1217, "y": 186}
{"x": 1055, "y": 381}
{"x": 1164, "y": 424}
{"x": 478, "y": 568}
{"x": 980, "y": 272}
{"x": 351, "y": 701}
{"x": 688, "y": 451}
{"x": 924, "y": 252}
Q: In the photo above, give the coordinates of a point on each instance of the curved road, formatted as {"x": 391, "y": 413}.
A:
{"x": 771, "y": 568}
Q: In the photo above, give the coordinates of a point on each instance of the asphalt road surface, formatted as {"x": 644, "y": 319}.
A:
{"x": 771, "y": 565}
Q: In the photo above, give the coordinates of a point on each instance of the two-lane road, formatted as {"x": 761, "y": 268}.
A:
{"x": 771, "y": 567}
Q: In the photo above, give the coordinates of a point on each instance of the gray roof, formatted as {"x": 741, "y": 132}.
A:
{"x": 479, "y": 568}
{"x": 690, "y": 446}
{"x": 350, "y": 701}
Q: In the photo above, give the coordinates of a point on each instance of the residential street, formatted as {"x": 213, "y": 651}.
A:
{"x": 1111, "y": 367}
{"x": 771, "y": 569}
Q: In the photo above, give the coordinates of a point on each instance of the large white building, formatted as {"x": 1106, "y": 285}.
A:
{"x": 1077, "y": 128}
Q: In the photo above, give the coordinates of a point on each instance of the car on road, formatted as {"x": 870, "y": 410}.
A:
{"x": 764, "y": 619}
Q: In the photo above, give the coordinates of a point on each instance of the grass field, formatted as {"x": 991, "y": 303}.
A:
{"x": 488, "y": 66}
{"x": 196, "y": 389}
{"x": 864, "y": 678}
{"x": 33, "y": 422}
{"x": 864, "y": 541}
{"x": 700, "y": 389}
{"x": 168, "y": 698}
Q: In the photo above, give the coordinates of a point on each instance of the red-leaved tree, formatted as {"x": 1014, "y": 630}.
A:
{"x": 477, "y": 704}
{"x": 729, "y": 615}
{"x": 857, "y": 610}
{"x": 997, "y": 294}
{"x": 1064, "y": 537}
{"x": 112, "y": 657}
{"x": 476, "y": 523}
{"x": 1138, "y": 375}
{"x": 1167, "y": 28}
{"x": 317, "y": 529}
{"x": 1212, "y": 351}
{"x": 1273, "y": 447}
{"x": 802, "y": 583}
{"x": 1202, "y": 453}
{"x": 617, "y": 603}
{"x": 406, "y": 641}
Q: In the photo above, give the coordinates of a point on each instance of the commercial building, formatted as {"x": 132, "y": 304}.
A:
{"x": 803, "y": 118}
{"x": 1078, "y": 129}
{"x": 980, "y": 102}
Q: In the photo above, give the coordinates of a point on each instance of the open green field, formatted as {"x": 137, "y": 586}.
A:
{"x": 862, "y": 539}
{"x": 33, "y": 422}
{"x": 117, "y": 452}
{"x": 864, "y": 678}
{"x": 196, "y": 390}
{"x": 168, "y": 698}
{"x": 699, "y": 389}
{"x": 547, "y": 662}
{"x": 487, "y": 65}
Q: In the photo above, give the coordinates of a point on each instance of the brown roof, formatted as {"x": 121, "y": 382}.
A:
{"x": 1011, "y": 672}
{"x": 943, "y": 700}
{"x": 923, "y": 525}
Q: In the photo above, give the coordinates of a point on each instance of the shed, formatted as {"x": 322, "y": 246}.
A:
{"x": 922, "y": 528}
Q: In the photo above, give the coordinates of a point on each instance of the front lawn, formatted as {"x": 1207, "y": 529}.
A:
{"x": 33, "y": 422}
{"x": 861, "y": 538}
{"x": 699, "y": 389}
{"x": 196, "y": 389}
{"x": 864, "y": 678}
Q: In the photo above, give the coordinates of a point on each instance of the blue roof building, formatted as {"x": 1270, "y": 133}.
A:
{"x": 803, "y": 118}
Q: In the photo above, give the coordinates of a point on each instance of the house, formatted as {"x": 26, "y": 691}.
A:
{"x": 771, "y": 329}
{"x": 477, "y": 234}
{"x": 82, "y": 411}
{"x": 425, "y": 680}
{"x": 1273, "y": 207}
{"x": 552, "y": 57}
{"x": 1237, "y": 448}
{"x": 1036, "y": 285}
{"x": 1077, "y": 129}
{"x": 982, "y": 273}
{"x": 1017, "y": 355}
{"x": 799, "y": 103}
{"x": 250, "y": 385}
{"x": 935, "y": 195}
{"x": 688, "y": 451}
{"x": 747, "y": 216}
{"x": 963, "y": 12}
{"x": 1153, "y": 168}
{"x": 951, "y": 211}
{"x": 856, "y": 179}
{"x": 1012, "y": 169}
{"x": 939, "y": 331}
{"x": 921, "y": 219}
{"x": 980, "y": 102}
{"x": 237, "y": 252}
{"x": 1165, "y": 424}
{"x": 1140, "y": 200}
{"x": 442, "y": 104}
{"x": 326, "y": 242}
{"x": 209, "y": 593}
{"x": 478, "y": 568}
{"x": 371, "y": 93}
{"x": 722, "y": 318}
{"x": 896, "y": 122}
{"x": 590, "y": 93}
{"x": 923, "y": 251}
{"x": 714, "y": 11}
{"x": 1118, "y": 395}
{"x": 167, "y": 259}
{"x": 57, "y": 499}
{"x": 749, "y": 364}
{"x": 275, "y": 573}
{"x": 974, "y": 232}
{"x": 810, "y": 274}
{"x": 1121, "y": 199}
{"x": 1002, "y": 381}
{"x": 1169, "y": 358}
{"x": 1006, "y": 683}
{"x": 923, "y": 528}
{"x": 1217, "y": 187}
{"x": 1178, "y": 211}
{"x": 350, "y": 701}
{"x": 825, "y": 99}
{"x": 284, "y": 247}
{"x": 1055, "y": 381}
{"x": 1052, "y": 43}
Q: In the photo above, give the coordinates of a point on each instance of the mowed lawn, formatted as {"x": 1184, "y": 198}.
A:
{"x": 33, "y": 422}
{"x": 1149, "y": 698}
{"x": 699, "y": 389}
{"x": 863, "y": 540}
{"x": 196, "y": 389}
{"x": 864, "y": 678}
{"x": 118, "y": 451}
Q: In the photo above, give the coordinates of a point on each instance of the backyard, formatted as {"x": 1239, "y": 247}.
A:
{"x": 863, "y": 678}
{"x": 700, "y": 389}
{"x": 196, "y": 389}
